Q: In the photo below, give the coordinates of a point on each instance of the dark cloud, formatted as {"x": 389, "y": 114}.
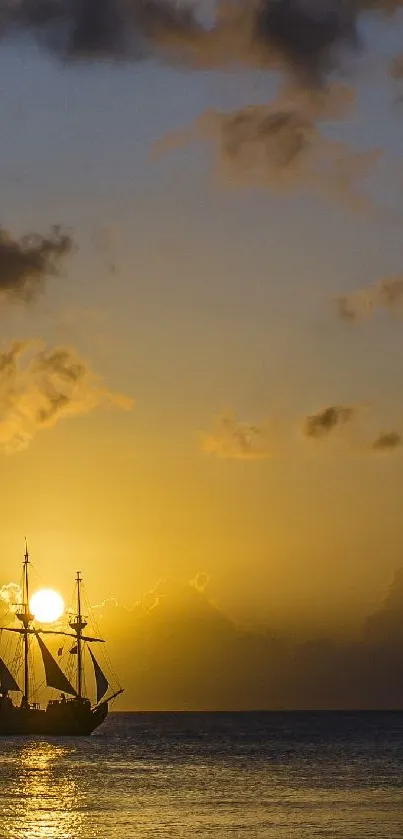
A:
{"x": 361, "y": 304}
{"x": 99, "y": 29}
{"x": 282, "y": 146}
{"x": 306, "y": 37}
{"x": 337, "y": 417}
{"x": 306, "y": 34}
{"x": 236, "y": 440}
{"x": 38, "y": 387}
{"x": 26, "y": 263}
{"x": 387, "y": 441}
{"x": 319, "y": 425}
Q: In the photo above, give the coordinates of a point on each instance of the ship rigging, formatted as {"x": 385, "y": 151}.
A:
{"x": 75, "y": 715}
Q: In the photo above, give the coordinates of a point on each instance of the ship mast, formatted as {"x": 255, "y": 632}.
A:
{"x": 25, "y": 617}
{"x": 78, "y": 625}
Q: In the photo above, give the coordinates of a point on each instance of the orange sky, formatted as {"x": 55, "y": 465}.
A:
{"x": 201, "y": 302}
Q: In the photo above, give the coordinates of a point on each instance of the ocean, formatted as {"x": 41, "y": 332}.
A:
{"x": 209, "y": 776}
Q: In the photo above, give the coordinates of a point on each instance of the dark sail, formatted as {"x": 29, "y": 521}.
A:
{"x": 55, "y": 677}
{"x": 7, "y": 681}
{"x": 102, "y": 682}
{"x": 78, "y": 716}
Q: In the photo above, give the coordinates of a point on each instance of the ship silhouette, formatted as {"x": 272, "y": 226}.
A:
{"x": 73, "y": 716}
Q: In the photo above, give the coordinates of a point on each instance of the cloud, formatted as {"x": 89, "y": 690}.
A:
{"x": 219, "y": 664}
{"x": 275, "y": 146}
{"x": 319, "y": 425}
{"x": 305, "y": 34}
{"x": 336, "y": 417}
{"x": 10, "y": 598}
{"x": 90, "y": 30}
{"x": 387, "y": 441}
{"x": 236, "y": 441}
{"x": 40, "y": 386}
{"x": 280, "y": 145}
{"x": 200, "y": 581}
{"x": 25, "y": 263}
{"x": 386, "y": 294}
{"x": 306, "y": 38}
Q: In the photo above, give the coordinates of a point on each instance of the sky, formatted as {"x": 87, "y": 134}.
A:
{"x": 211, "y": 381}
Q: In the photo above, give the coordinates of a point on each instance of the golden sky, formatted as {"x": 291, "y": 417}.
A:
{"x": 211, "y": 381}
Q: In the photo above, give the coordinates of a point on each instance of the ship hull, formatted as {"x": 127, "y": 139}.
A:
{"x": 68, "y": 720}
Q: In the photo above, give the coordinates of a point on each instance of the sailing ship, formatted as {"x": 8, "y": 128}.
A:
{"x": 75, "y": 715}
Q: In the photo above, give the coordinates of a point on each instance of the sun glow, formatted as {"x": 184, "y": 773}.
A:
{"x": 46, "y": 605}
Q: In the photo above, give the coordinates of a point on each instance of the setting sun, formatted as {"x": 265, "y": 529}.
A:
{"x": 46, "y": 605}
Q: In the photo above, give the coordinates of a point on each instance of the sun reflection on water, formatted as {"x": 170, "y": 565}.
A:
{"x": 46, "y": 798}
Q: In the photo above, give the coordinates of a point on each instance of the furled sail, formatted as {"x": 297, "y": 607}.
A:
{"x": 55, "y": 677}
{"x": 101, "y": 680}
{"x": 7, "y": 681}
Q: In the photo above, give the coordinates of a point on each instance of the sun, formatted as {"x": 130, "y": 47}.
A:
{"x": 46, "y": 605}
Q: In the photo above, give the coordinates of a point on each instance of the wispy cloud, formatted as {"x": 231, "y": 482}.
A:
{"x": 10, "y": 595}
{"x": 386, "y": 294}
{"x": 40, "y": 386}
{"x": 10, "y": 598}
{"x": 236, "y": 440}
{"x": 280, "y": 145}
{"x": 200, "y": 581}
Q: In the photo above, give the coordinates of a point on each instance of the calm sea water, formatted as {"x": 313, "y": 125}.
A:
{"x": 253, "y": 776}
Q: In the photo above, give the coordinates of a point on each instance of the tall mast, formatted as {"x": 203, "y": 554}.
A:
{"x": 79, "y": 632}
{"x": 25, "y": 617}
{"x": 78, "y": 625}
